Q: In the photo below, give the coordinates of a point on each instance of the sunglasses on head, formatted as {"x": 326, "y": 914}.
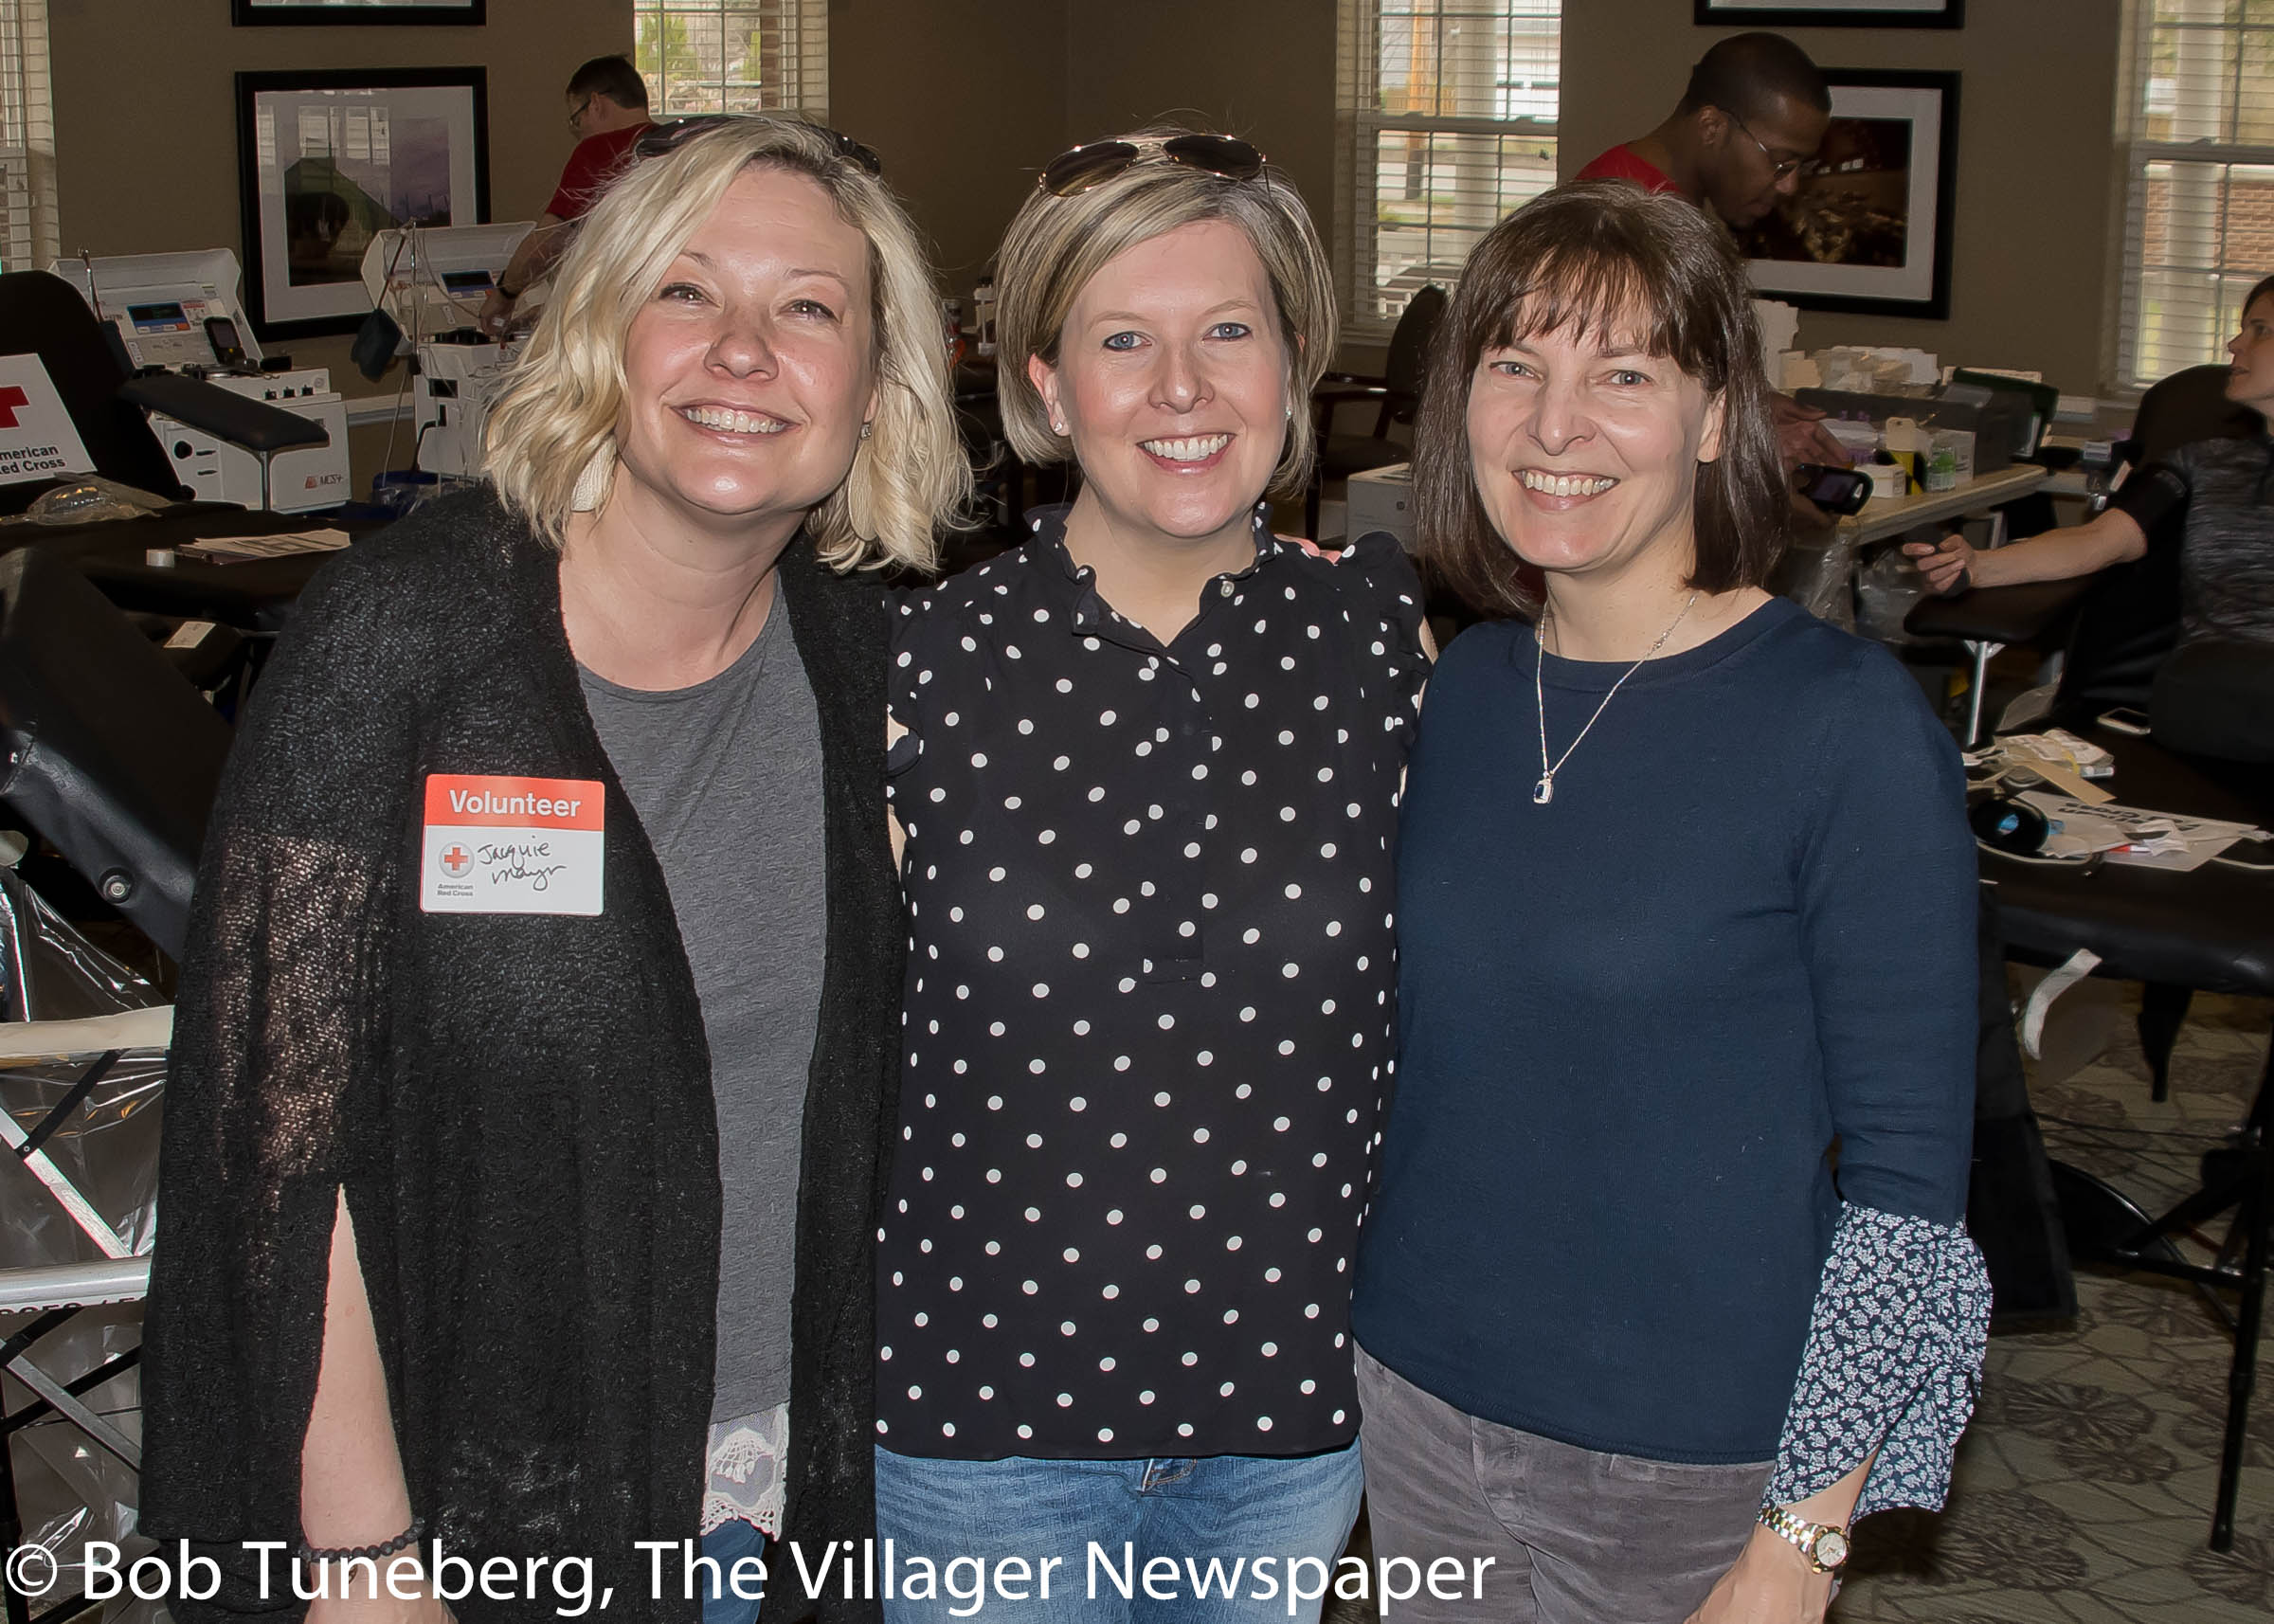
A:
{"x": 1073, "y": 172}
{"x": 656, "y": 140}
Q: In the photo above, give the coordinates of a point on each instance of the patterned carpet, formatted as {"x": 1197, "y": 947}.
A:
{"x": 2083, "y": 1487}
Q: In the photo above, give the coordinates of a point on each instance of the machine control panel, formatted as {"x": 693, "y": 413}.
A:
{"x": 171, "y": 333}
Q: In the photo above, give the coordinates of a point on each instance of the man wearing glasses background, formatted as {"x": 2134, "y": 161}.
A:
{"x": 607, "y": 109}
{"x": 1755, "y": 112}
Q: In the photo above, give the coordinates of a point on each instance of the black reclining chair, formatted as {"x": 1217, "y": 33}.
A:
{"x": 2128, "y": 620}
{"x": 45, "y": 314}
{"x": 110, "y": 752}
{"x": 1397, "y": 392}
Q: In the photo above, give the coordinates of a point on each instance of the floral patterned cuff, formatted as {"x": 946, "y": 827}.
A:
{"x": 1893, "y": 1362}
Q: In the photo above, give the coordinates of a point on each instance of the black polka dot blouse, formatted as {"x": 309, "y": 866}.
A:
{"x": 1150, "y": 1004}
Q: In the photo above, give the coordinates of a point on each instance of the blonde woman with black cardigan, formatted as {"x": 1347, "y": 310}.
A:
{"x": 471, "y": 1085}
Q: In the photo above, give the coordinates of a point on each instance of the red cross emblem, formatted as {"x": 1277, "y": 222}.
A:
{"x": 455, "y": 860}
{"x": 12, "y": 398}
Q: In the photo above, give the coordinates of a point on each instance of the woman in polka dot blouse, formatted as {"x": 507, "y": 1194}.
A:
{"x": 1146, "y": 768}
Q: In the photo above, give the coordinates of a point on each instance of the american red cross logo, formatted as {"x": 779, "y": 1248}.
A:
{"x": 10, "y": 398}
{"x": 456, "y": 860}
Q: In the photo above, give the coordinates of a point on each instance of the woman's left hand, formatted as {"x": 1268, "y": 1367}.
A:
{"x": 1771, "y": 1583}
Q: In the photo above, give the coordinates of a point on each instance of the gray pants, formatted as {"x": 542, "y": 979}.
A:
{"x": 1576, "y": 1537}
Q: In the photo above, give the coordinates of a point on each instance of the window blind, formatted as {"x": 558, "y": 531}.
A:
{"x": 1446, "y": 111}
{"x": 734, "y": 56}
{"x": 2196, "y": 129}
{"x": 28, "y": 231}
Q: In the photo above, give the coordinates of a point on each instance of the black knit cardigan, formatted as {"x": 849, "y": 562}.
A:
{"x": 517, "y": 1107}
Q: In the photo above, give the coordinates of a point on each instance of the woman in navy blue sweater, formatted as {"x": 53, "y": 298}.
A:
{"x": 1666, "y": 1280}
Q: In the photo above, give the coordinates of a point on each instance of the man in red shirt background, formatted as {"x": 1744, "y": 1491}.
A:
{"x": 607, "y": 109}
{"x": 1755, "y": 111}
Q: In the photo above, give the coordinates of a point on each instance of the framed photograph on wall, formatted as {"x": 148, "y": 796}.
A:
{"x": 1833, "y": 13}
{"x": 1868, "y": 229}
{"x": 257, "y": 14}
{"x": 328, "y": 159}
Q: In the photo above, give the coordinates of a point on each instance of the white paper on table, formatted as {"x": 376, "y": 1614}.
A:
{"x": 283, "y": 546}
{"x": 2169, "y": 840}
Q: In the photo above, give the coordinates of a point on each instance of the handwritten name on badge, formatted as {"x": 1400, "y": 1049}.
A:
{"x": 512, "y": 845}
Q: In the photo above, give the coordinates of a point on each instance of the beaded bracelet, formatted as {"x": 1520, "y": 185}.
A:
{"x": 402, "y": 1541}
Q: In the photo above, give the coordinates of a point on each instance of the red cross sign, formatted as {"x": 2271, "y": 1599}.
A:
{"x": 10, "y": 398}
{"x": 456, "y": 860}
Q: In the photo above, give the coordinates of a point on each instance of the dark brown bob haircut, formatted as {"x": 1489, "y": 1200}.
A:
{"x": 1607, "y": 259}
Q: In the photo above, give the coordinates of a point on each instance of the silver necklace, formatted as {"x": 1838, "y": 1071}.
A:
{"x": 1544, "y": 791}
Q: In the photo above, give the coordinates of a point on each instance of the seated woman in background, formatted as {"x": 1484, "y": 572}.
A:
{"x": 2227, "y": 565}
{"x": 534, "y": 1051}
{"x": 1147, "y": 771}
{"x": 1687, "y": 894}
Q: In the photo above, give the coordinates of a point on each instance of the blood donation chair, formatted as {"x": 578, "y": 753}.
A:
{"x": 110, "y": 753}
{"x": 44, "y": 314}
{"x": 84, "y": 358}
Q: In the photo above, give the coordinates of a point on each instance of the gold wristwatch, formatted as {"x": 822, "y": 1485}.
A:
{"x": 1824, "y": 1546}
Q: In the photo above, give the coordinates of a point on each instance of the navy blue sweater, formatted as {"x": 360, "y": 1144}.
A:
{"x": 1635, "y": 1019}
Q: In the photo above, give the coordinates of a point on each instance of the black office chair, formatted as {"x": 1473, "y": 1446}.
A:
{"x": 45, "y": 315}
{"x": 110, "y": 753}
{"x": 2128, "y": 622}
{"x": 1397, "y": 390}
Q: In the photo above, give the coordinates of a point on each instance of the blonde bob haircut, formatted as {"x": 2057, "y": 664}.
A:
{"x": 1056, "y": 245}
{"x": 551, "y": 435}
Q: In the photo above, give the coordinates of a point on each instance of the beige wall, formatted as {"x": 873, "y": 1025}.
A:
{"x": 964, "y": 99}
{"x": 1259, "y": 68}
{"x": 2029, "y": 269}
{"x": 146, "y": 120}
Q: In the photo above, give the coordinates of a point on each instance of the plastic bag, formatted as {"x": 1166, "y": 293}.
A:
{"x": 91, "y": 500}
{"x": 1820, "y": 577}
{"x": 49, "y": 971}
{"x": 1886, "y": 589}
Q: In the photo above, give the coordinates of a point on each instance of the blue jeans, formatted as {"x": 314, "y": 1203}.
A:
{"x": 1100, "y": 1522}
{"x": 727, "y": 1544}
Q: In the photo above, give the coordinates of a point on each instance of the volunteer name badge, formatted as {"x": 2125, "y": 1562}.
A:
{"x": 512, "y": 845}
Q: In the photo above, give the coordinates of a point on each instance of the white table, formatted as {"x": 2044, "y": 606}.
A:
{"x": 1976, "y": 498}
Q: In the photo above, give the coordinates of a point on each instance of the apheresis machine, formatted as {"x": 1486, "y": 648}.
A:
{"x": 181, "y": 312}
{"x": 432, "y": 281}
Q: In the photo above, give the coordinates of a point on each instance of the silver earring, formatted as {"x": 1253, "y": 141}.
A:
{"x": 592, "y": 484}
{"x": 1057, "y": 428}
{"x": 867, "y": 429}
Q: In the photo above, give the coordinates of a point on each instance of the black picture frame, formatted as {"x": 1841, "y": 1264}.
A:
{"x": 334, "y": 301}
{"x": 372, "y": 13}
{"x": 1858, "y": 202}
{"x": 1833, "y": 14}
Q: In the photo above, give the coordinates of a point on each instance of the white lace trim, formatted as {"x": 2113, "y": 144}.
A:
{"x": 747, "y": 1471}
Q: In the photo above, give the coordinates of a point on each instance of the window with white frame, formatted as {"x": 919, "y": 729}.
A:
{"x": 29, "y": 237}
{"x": 734, "y": 56}
{"x": 2196, "y": 128}
{"x": 1448, "y": 122}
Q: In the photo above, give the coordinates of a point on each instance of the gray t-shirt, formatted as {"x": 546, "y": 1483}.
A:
{"x": 727, "y": 779}
{"x": 2227, "y": 561}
